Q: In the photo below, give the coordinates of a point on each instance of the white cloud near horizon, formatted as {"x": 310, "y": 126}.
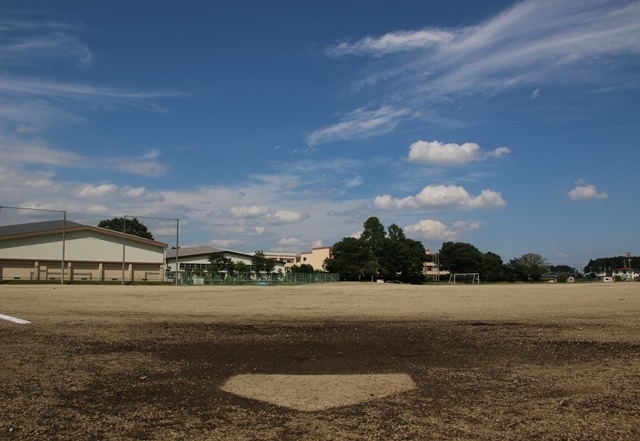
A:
{"x": 264, "y": 213}
{"x": 435, "y": 230}
{"x": 586, "y": 192}
{"x": 449, "y": 197}
{"x": 450, "y": 154}
{"x": 36, "y": 152}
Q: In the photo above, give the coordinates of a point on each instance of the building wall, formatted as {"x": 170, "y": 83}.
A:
{"x": 88, "y": 256}
{"x": 315, "y": 257}
{"x": 81, "y": 246}
{"x": 289, "y": 259}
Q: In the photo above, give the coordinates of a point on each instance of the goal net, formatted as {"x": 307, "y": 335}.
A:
{"x": 465, "y": 278}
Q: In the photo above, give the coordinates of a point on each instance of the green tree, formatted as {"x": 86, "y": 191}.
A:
{"x": 402, "y": 258}
{"x": 262, "y": 263}
{"x": 413, "y": 258}
{"x": 375, "y": 253}
{"x": 373, "y": 238}
{"x": 348, "y": 258}
{"x": 241, "y": 268}
{"x": 529, "y": 267}
{"x": 492, "y": 268}
{"x": 304, "y": 268}
{"x": 130, "y": 226}
{"x": 460, "y": 257}
{"x": 218, "y": 263}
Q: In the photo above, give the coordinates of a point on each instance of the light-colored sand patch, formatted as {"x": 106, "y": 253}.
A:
{"x": 317, "y": 392}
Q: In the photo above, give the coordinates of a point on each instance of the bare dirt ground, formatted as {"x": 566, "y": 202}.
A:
{"x": 556, "y": 362}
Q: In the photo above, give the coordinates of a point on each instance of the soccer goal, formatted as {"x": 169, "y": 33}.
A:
{"x": 465, "y": 278}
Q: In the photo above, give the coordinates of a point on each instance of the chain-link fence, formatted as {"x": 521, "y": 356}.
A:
{"x": 251, "y": 279}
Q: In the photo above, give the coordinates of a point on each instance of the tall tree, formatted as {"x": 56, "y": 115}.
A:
{"x": 529, "y": 267}
{"x": 375, "y": 253}
{"x": 460, "y": 257}
{"x": 348, "y": 258}
{"x": 373, "y": 237}
{"x": 492, "y": 268}
{"x": 261, "y": 263}
{"x": 241, "y": 268}
{"x": 131, "y": 226}
{"x": 218, "y": 263}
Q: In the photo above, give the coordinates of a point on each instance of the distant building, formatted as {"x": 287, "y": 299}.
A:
{"x": 289, "y": 259}
{"x": 196, "y": 259}
{"x": 315, "y": 258}
{"x": 431, "y": 267}
{"x": 62, "y": 249}
{"x": 624, "y": 273}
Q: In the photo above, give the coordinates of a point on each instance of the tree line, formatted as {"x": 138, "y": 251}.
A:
{"x": 608, "y": 264}
{"x": 390, "y": 255}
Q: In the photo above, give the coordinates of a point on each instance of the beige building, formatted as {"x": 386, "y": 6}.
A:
{"x": 288, "y": 259}
{"x": 69, "y": 251}
{"x": 431, "y": 266}
{"x": 315, "y": 258}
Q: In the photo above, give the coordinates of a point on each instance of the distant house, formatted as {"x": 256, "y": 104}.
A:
{"x": 69, "y": 251}
{"x": 626, "y": 274}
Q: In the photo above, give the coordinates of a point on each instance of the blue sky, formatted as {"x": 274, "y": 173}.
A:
{"x": 284, "y": 125}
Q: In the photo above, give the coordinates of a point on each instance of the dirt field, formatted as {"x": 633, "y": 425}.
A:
{"x": 343, "y": 361}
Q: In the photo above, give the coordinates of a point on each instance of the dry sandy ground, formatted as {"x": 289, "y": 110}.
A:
{"x": 349, "y": 361}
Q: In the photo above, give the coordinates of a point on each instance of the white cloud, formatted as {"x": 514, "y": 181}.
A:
{"x": 500, "y": 152}
{"x": 20, "y": 152}
{"x": 442, "y": 197}
{"x": 141, "y": 167}
{"x": 249, "y": 212}
{"x": 226, "y": 243}
{"x": 533, "y": 42}
{"x": 290, "y": 243}
{"x": 400, "y": 41}
{"x": 355, "y": 182}
{"x": 91, "y": 191}
{"x": 135, "y": 192}
{"x": 36, "y": 152}
{"x": 360, "y": 123}
{"x": 34, "y": 49}
{"x": 436, "y": 230}
{"x": 265, "y": 214}
{"x": 535, "y": 93}
{"x": 285, "y": 217}
{"x": 450, "y": 154}
{"x": 586, "y": 192}
{"x": 437, "y": 153}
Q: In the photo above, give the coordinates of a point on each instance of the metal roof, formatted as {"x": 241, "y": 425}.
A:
{"x": 200, "y": 250}
{"x": 37, "y": 227}
{"x": 54, "y": 226}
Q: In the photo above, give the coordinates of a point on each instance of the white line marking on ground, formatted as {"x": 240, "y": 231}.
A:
{"x": 14, "y": 320}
